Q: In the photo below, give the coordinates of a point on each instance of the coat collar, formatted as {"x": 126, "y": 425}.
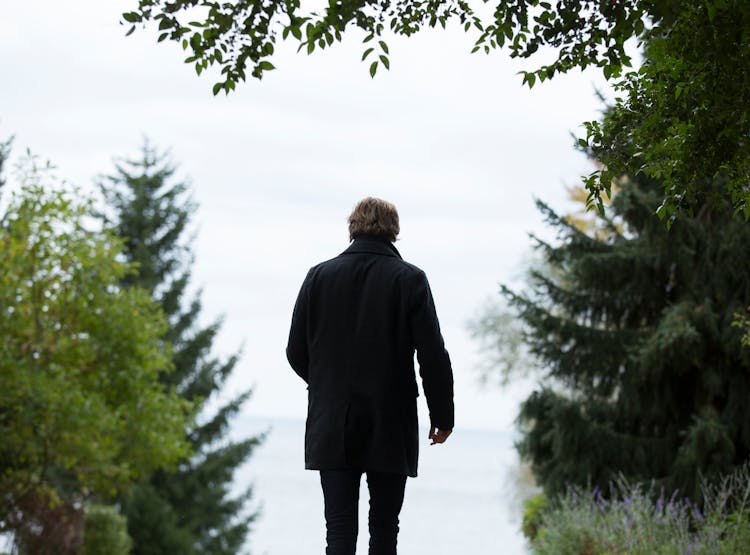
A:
{"x": 372, "y": 244}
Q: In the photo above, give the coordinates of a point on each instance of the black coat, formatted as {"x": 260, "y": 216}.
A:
{"x": 357, "y": 322}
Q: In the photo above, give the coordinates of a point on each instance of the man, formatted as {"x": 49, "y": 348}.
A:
{"x": 357, "y": 322}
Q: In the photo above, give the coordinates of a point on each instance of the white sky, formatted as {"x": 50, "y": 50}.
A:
{"x": 451, "y": 138}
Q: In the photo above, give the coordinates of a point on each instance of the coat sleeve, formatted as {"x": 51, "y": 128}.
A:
{"x": 434, "y": 362}
{"x": 296, "y": 349}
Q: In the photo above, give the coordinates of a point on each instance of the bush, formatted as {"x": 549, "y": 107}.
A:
{"x": 634, "y": 521}
{"x": 105, "y": 532}
{"x": 533, "y": 513}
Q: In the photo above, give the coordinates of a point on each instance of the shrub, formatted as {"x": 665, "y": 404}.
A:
{"x": 533, "y": 512}
{"x": 105, "y": 532}
{"x": 633, "y": 520}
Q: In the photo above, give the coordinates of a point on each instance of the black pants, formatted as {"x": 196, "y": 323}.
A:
{"x": 341, "y": 497}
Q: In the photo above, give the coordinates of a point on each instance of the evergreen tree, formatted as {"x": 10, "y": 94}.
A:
{"x": 644, "y": 373}
{"x": 190, "y": 510}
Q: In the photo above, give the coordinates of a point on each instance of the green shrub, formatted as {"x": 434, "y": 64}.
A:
{"x": 105, "y": 532}
{"x": 533, "y": 512}
{"x": 632, "y": 520}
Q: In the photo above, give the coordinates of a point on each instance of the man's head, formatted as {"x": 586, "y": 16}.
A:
{"x": 374, "y": 216}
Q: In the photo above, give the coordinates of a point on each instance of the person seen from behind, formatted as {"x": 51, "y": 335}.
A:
{"x": 357, "y": 322}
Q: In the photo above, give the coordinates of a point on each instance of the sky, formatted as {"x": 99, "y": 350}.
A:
{"x": 451, "y": 138}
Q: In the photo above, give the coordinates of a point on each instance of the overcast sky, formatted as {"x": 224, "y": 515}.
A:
{"x": 452, "y": 139}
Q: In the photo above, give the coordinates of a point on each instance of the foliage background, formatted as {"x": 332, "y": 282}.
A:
{"x": 84, "y": 413}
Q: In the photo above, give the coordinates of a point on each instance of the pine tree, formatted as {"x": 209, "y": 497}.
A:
{"x": 644, "y": 374}
{"x": 190, "y": 510}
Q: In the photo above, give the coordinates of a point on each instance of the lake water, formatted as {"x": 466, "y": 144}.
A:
{"x": 460, "y": 504}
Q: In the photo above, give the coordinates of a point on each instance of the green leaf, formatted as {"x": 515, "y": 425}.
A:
{"x": 385, "y": 61}
{"x": 132, "y": 17}
{"x": 373, "y": 68}
{"x": 528, "y": 77}
{"x": 367, "y": 53}
{"x": 265, "y": 65}
{"x": 383, "y": 46}
{"x": 217, "y": 88}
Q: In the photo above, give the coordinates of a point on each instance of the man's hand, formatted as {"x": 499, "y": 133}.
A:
{"x": 437, "y": 435}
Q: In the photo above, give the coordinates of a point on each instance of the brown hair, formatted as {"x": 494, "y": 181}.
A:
{"x": 374, "y": 216}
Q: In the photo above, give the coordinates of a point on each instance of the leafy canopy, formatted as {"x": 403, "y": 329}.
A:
{"x": 684, "y": 111}
{"x": 242, "y": 35}
{"x": 82, "y": 410}
{"x": 683, "y": 117}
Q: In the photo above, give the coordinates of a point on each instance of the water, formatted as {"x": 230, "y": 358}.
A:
{"x": 461, "y": 502}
